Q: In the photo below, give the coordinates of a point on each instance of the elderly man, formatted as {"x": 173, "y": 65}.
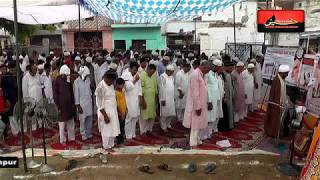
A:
{"x": 133, "y": 95}
{"x": 248, "y": 78}
{"x": 277, "y": 98}
{"x": 166, "y": 98}
{"x": 83, "y": 102}
{"x": 181, "y": 85}
{"x": 63, "y": 98}
{"x": 162, "y": 65}
{"x": 31, "y": 86}
{"x": 239, "y": 92}
{"x": 196, "y": 112}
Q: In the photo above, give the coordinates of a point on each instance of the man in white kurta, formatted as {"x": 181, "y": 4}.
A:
{"x": 31, "y": 88}
{"x": 258, "y": 80}
{"x": 83, "y": 101}
{"x": 214, "y": 98}
{"x": 181, "y": 86}
{"x": 100, "y": 67}
{"x": 166, "y": 98}
{"x": 248, "y": 79}
{"x": 133, "y": 94}
{"x": 46, "y": 81}
{"x": 107, "y": 110}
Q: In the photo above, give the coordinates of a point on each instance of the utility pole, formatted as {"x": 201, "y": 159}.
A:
{"x": 19, "y": 84}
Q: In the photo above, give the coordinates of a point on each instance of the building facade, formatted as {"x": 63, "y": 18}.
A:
{"x": 137, "y": 37}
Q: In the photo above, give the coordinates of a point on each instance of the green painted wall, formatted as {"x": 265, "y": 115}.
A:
{"x": 152, "y": 35}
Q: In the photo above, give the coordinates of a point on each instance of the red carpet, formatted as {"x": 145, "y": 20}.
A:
{"x": 49, "y": 133}
{"x": 248, "y": 133}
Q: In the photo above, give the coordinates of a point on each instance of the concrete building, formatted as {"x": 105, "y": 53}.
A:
{"x": 95, "y": 34}
{"x": 137, "y": 36}
{"x": 213, "y": 31}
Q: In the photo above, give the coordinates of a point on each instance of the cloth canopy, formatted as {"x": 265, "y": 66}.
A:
{"x": 154, "y": 11}
{"x": 42, "y": 12}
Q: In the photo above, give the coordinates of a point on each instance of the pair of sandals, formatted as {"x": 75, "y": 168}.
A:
{"x": 210, "y": 168}
{"x": 147, "y": 169}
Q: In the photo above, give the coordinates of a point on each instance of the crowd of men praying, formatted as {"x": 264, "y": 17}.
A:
{"x": 133, "y": 89}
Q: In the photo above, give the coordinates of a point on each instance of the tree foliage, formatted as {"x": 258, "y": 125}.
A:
{"x": 24, "y": 30}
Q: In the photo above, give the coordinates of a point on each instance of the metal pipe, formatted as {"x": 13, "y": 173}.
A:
{"x": 234, "y": 31}
{"x": 19, "y": 84}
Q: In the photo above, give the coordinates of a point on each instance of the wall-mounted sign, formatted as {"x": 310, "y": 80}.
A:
{"x": 280, "y": 20}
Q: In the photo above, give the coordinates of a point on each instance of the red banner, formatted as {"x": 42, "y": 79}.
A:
{"x": 281, "y": 20}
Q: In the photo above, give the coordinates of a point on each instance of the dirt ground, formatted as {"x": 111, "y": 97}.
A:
{"x": 122, "y": 167}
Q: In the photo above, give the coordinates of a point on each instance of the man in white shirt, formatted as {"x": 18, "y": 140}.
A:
{"x": 248, "y": 79}
{"x": 83, "y": 102}
{"x": 100, "y": 67}
{"x": 133, "y": 93}
{"x": 181, "y": 86}
{"x": 46, "y": 80}
{"x": 166, "y": 98}
{"x": 31, "y": 87}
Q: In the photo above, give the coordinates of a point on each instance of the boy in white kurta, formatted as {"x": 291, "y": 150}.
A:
{"x": 166, "y": 98}
{"x": 133, "y": 93}
{"x": 248, "y": 79}
{"x": 181, "y": 86}
{"x": 107, "y": 110}
{"x": 83, "y": 102}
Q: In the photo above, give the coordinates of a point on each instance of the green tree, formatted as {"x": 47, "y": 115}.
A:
{"x": 24, "y": 30}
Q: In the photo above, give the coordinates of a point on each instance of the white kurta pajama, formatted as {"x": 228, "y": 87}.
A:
{"x": 166, "y": 93}
{"x": 31, "y": 88}
{"x": 46, "y": 83}
{"x": 248, "y": 80}
{"x": 181, "y": 83}
{"x": 213, "y": 97}
{"x": 259, "y": 81}
{"x": 83, "y": 97}
{"x": 106, "y": 99}
{"x": 132, "y": 93}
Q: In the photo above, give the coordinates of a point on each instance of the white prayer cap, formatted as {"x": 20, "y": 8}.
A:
{"x": 109, "y": 58}
{"x": 66, "y": 53}
{"x": 77, "y": 58}
{"x": 170, "y": 67}
{"x": 253, "y": 60}
{"x": 250, "y": 66}
{"x": 283, "y": 68}
{"x": 51, "y": 52}
{"x": 20, "y": 57}
{"x": 240, "y": 64}
{"x": 64, "y": 70}
{"x": 136, "y": 53}
{"x": 259, "y": 55}
{"x": 155, "y": 54}
{"x": 166, "y": 58}
{"x": 89, "y": 59}
{"x": 217, "y": 62}
{"x": 190, "y": 55}
{"x": 84, "y": 71}
{"x": 4, "y": 53}
{"x": 113, "y": 66}
{"x": 41, "y": 66}
{"x": 236, "y": 59}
